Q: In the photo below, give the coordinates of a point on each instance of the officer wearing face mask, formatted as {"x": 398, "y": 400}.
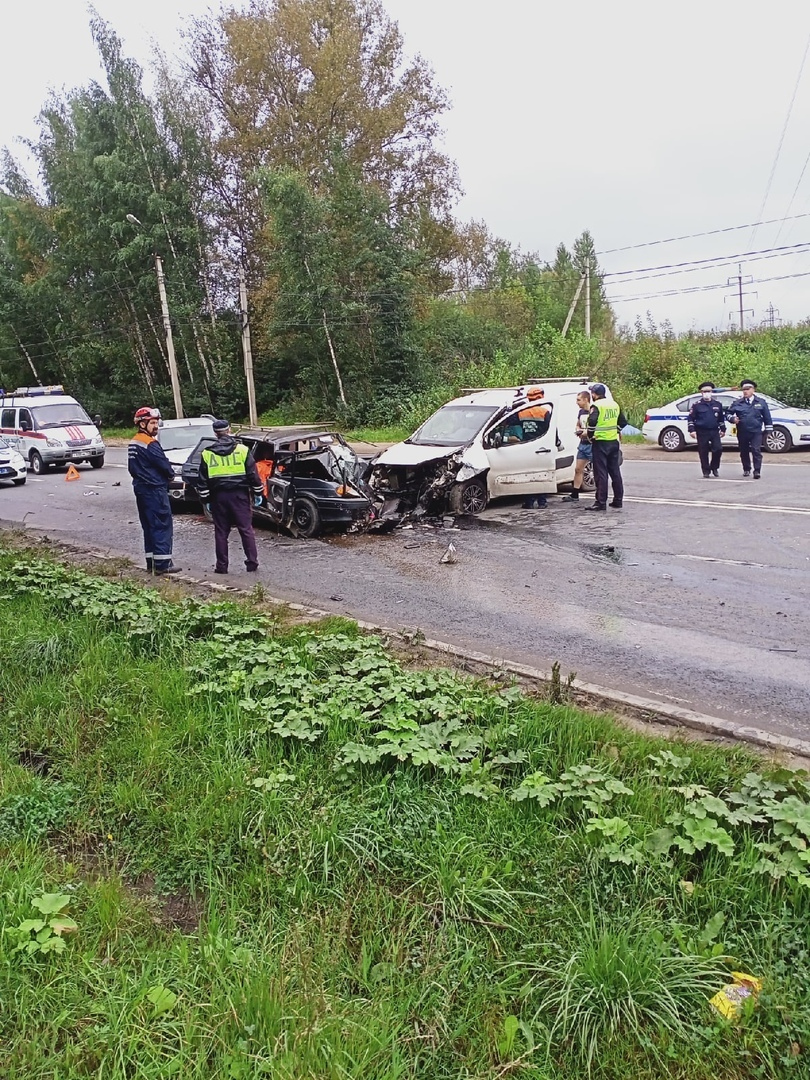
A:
{"x": 707, "y": 424}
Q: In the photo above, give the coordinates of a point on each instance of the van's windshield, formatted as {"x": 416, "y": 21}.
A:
{"x": 51, "y": 416}
{"x": 453, "y": 425}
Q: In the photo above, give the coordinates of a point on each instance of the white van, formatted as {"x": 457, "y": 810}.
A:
{"x": 50, "y": 427}
{"x": 482, "y": 446}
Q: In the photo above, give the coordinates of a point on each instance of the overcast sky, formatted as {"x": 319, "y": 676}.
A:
{"x": 634, "y": 119}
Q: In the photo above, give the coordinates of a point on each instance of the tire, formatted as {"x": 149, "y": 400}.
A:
{"x": 19, "y": 483}
{"x": 97, "y": 462}
{"x": 778, "y": 441}
{"x": 470, "y": 498}
{"x": 306, "y": 519}
{"x": 38, "y": 466}
{"x": 671, "y": 440}
{"x": 588, "y": 479}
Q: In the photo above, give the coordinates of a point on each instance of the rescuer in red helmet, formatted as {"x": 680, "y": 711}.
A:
{"x": 151, "y": 472}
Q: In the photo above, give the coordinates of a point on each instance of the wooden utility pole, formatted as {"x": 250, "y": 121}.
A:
{"x": 587, "y": 298}
{"x": 246, "y": 349}
{"x": 570, "y": 314}
{"x": 167, "y": 326}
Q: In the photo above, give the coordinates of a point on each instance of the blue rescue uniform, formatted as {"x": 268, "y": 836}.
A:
{"x": 752, "y": 416}
{"x": 151, "y": 472}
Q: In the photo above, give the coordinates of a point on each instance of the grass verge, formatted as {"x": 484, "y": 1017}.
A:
{"x": 288, "y": 854}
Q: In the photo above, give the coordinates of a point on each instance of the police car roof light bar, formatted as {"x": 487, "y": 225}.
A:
{"x": 37, "y": 391}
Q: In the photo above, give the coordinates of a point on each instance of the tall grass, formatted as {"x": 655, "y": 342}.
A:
{"x": 369, "y": 924}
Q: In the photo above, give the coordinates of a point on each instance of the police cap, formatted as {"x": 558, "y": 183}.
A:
{"x": 220, "y": 425}
{"x": 707, "y": 386}
{"x": 748, "y": 382}
{"x": 599, "y": 389}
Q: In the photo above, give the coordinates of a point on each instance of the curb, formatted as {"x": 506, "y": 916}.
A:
{"x": 653, "y": 709}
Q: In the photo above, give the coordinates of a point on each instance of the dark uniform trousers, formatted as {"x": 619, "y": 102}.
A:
{"x": 606, "y": 464}
{"x": 709, "y": 442}
{"x": 155, "y": 512}
{"x": 232, "y": 508}
{"x": 750, "y": 443}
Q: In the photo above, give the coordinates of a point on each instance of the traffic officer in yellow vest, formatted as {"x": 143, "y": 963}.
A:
{"x": 230, "y": 483}
{"x": 605, "y": 421}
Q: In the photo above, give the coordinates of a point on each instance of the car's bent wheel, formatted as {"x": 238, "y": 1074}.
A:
{"x": 306, "y": 519}
{"x": 97, "y": 462}
{"x": 38, "y": 466}
{"x": 20, "y": 482}
{"x": 672, "y": 440}
{"x": 588, "y": 479}
{"x": 469, "y": 498}
{"x": 778, "y": 441}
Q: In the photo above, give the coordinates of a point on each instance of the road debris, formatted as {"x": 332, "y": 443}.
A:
{"x": 449, "y": 556}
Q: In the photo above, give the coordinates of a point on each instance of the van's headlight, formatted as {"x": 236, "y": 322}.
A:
{"x": 53, "y": 442}
{"x": 98, "y": 441}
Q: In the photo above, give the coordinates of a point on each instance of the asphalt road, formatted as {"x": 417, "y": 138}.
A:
{"x": 695, "y": 593}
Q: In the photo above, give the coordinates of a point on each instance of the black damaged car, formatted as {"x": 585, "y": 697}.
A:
{"x": 312, "y": 479}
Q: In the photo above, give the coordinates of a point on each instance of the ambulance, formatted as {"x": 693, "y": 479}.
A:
{"x": 49, "y": 427}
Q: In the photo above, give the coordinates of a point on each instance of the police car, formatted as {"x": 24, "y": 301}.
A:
{"x": 667, "y": 426}
{"x": 12, "y": 463}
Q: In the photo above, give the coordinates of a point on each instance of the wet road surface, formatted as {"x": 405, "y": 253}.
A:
{"x": 696, "y": 593}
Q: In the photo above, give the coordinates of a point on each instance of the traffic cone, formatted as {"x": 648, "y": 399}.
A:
{"x": 73, "y": 473}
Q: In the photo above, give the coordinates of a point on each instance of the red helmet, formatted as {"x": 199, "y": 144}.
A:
{"x": 145, "y": 414}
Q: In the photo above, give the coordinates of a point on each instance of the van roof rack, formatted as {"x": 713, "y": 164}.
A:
{"x": 567, "y": 378}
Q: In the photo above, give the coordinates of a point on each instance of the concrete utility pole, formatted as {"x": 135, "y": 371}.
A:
{"x": 246, "y": 349}
{"x": 167, "y": 326}
{"x": 587, "y": 298}
{"x": 738, "y": 281}
{"x": 570, "y": 314}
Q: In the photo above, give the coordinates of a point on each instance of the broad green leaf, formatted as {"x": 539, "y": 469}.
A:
{"x": 162, "y": 998}
{"x": 51, "y": 903}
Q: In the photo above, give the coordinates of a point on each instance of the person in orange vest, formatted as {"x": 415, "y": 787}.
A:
{"x": 539, "y": 412}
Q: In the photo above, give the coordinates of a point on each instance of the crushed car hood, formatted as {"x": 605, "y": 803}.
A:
{"x": 411, "y": 454}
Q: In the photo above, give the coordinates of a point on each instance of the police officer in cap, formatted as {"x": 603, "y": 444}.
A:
{"x": 751, "y": 415}
{"x": 605, "y": 421}
{"x": 707, "y": 424}
{"x": 230, "y": 483}
{"x": 151, "y": 472}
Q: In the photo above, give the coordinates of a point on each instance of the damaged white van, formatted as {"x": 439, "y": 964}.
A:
{"x": 484, "y": 445}
{"x": 50, "y": 427}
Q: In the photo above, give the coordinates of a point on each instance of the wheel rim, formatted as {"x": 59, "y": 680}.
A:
{"x": 588, "y": 481}
{"x": 776, "y": 441}
{"x": 303, "y": 516}
{"x": 36, "y": 463}
{"x": 473, "y": 499}
{"x": 671, "y": 440}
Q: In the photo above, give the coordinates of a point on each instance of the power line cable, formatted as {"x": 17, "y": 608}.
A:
{"x": 697, "y": 235}
{"x": 782, "y": 136}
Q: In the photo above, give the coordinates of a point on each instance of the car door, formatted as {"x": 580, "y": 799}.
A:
{"x": 522, "y": 454}
{"x": 730, "y": 437}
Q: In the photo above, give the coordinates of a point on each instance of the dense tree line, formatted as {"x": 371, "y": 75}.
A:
{"x": 299, "y": 143}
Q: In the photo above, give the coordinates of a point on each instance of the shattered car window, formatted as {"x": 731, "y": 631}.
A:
{"x": 453, "y": 425}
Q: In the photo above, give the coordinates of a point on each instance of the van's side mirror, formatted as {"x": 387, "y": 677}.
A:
{"x": 97, "y": 420}
{"x": 495, "y": 440}
{"x": 24, "y": 425}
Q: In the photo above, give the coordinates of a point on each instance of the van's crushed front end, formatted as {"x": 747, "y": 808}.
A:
{"x": 411, "y": 482}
